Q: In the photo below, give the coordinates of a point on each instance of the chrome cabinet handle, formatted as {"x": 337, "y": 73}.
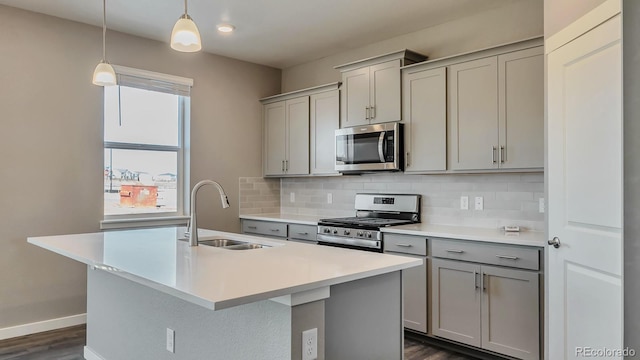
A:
{"x": 252, "y": 227}
{"x": 366, "y": 116}
{"x": 372, "y": 112}
{"x": 503, "y": 154}
{"x": 455, "y": 251}
{"x": 507, "y": 257}
{"x": 282, "y": 165}
{"x": 286, "y": 165}
{"x": 475, "y": 279}
{"x": 555, "y": 242}
{"x": 493, "y": 154}
{"x": 303, "y": 233}
{"x": 408, "y": 159}
{"x": 484, "y": 283}
{"x": 405, "y": 245}
{"x": 275, "y": 230}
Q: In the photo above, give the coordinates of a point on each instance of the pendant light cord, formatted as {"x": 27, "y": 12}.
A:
{"x": 104, "y": 30}
{"x": 185, "y": 7}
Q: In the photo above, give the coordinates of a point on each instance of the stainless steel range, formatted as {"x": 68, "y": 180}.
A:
{"x": 373, "y": 211}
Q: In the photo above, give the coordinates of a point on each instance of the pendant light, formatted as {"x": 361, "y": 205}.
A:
{"x": 185, "y": 36}
{"x": 104, "y": 75}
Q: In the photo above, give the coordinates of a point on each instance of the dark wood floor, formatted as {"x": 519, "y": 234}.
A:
{"x": 67, "y": 344}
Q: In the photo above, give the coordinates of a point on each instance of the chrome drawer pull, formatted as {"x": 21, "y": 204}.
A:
{"x": 507, "y": 257}
{"x": 405, "y": 245}
{"x": 455, "y": 251}
{"x": 304, "y": 233}
{"x": 275, "y": 229}
{"x": 252, "y": 227}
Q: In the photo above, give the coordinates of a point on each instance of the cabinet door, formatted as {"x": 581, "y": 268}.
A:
{"x": 325, "y": 120}
{"x": 425, "y": 119}
{"x": 455, "y": 301}
{"x": 414, "y": 287}
{"x": 274, "y": 138}
{"x": 473, "y": 96}
{"x": 521, "y": 114}
{"x": 355, "y": 97}
{"x": 384, "y": 92}
{"x": 510, "y": 312}
{"x": 297, "y": 161}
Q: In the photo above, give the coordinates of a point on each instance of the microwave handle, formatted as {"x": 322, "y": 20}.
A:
{"x": 381, "y": 147}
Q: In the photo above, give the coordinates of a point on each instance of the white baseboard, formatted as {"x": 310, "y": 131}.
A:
{"x": 91, "y": 355}
{"x": 36, "y": 327}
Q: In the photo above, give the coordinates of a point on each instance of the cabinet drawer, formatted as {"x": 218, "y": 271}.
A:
{"x": 303, "y": 232}
{"x": 406, "y": 244}
{"x": 505, "y": 255}
{"x": 264, "y": 228}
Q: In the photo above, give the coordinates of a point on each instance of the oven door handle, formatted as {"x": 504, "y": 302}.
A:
{"x": 373, "y": 244}
{"x": 381, "y": 149}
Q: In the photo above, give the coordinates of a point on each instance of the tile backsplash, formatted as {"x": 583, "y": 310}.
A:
{"x": 259, "y": 195}
{"x": 509, "y": 199}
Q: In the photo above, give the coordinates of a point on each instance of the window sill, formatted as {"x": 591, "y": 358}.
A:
{"x": 143, "y": 222}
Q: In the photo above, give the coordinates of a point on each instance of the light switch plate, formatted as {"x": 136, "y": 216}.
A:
{"x": 292, "y": 197}
{"x": 329, "y": 198}
{"x": 171, "y": 336}
{"x": 479, "y": 203}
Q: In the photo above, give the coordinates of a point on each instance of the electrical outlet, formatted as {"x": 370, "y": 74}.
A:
{"x": 541, "y": 205}
{"x": 292, "y": 197}
{"x": 171, "y": 335}
{"x": 479, "y": 203}
{"x": 310, "y": 344}
{"x": 464, "y": 203}
{"x": 329, "y": 198}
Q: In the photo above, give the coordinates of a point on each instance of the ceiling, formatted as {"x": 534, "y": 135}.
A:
{"x": 278, "y": 33}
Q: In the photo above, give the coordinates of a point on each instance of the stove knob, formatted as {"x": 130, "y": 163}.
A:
{"x": 369, "y": 234}
{"x": 326, "y": 230}
{"x": 335, "y": 231}
{"x": 347, "y": 232}
{"x": 360, "y": 233}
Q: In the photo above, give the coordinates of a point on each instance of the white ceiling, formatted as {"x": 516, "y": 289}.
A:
{"x": 278, "y": 33}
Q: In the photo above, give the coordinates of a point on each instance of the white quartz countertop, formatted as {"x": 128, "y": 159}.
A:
{"x": 219, "y": 278}
{"x": 285, "y": 218}
{"x": 528, "y": 238}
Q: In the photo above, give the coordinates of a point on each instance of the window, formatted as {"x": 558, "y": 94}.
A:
{"x": 145, "y": 117}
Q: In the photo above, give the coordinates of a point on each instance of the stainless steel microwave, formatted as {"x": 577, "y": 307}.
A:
{"x": 369, "y": 148}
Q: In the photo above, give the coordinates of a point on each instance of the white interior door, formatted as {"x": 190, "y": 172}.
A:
{"x": 584, "y": 164}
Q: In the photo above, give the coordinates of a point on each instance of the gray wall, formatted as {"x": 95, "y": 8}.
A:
{"x": 631, "y": 64}
{"x": 560, "y": 13}
{"x": 520, "y": 20}
{"x": 51, "y": 146}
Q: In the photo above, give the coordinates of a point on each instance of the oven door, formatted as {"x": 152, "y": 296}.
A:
{"x": 369, "y": 148}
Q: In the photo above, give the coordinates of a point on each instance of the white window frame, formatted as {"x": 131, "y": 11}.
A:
{"x": 178, "y": 217}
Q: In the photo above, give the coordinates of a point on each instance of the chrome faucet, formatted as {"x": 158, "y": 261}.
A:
{"x": 193, "y": 227}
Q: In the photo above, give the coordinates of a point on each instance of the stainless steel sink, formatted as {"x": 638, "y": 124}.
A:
{"x": 221, "y": 242}
{"x": 246, "y": 246}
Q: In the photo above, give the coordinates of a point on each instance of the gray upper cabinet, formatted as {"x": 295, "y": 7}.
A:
{"x": 473, "y": 99}
{"x": 425, "y": 119}
{"x": 299, "y": 129}
{"x": 521, "y": 112}
{"x": 325, "y": 120}
{"x": 274, "y": 138}
{"x": 371, "y": 88}
{"x": 286, "y": 137}
{"x": 497, "y": 112}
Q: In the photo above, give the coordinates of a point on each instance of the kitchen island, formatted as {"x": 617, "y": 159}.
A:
{"x": 151, "y": 296}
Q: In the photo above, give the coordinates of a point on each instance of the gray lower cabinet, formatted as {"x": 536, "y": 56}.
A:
{"x": 491, "y": 307}
{"x": 280, "y": 230}
{"x": 414, "y": 280}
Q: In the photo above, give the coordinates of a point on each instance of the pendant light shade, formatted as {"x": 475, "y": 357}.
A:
{"x": 104, "y": 75}
{"x": 185, "y": 36}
